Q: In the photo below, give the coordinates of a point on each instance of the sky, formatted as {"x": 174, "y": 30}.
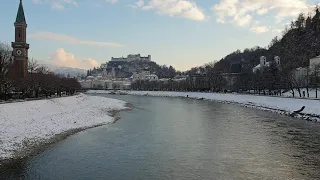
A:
{"x": 182, "y": 33}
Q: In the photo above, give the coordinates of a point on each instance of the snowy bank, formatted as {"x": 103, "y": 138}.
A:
{"x": 275, "y": 104}
{"x": 24, "y": 124}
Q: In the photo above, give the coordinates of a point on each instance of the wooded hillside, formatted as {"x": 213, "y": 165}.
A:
{"x": 299, "y": 43}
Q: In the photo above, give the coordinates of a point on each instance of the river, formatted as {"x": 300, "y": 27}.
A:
{"x": 174, "y": 138}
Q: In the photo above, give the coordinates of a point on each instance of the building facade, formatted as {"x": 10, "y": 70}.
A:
{"x": 302, "y": 74}
{"x": 264, "y": 63}
{"x": 132, "y": 57}
{"x": 144, "y": 75}
{"x": 314, "y": 62}
{"x": 20, "y": 46}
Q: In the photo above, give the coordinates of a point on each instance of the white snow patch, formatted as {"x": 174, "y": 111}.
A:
{"x": 43, "y": 119}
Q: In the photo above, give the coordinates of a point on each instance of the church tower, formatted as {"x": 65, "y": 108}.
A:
{"x": 20, "y": 46}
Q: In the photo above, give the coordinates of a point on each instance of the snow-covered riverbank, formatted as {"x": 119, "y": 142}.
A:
{"x": 24, "y": 124}
{"x": 275, "y": 104}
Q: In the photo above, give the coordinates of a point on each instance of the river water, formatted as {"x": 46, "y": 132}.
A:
{"x": 173, "y": 138}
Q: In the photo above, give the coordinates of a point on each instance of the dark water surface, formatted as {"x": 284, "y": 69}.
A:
{"x": 166, "y": 138}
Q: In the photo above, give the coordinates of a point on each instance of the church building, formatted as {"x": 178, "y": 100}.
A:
{"x": 20, "y": 46}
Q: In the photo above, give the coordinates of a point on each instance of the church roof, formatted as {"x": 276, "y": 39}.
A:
{"x": 20, "y": 15}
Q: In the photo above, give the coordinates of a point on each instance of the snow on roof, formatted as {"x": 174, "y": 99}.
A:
{"x": 257, "y": 66}
{"x": 90, "y": 77}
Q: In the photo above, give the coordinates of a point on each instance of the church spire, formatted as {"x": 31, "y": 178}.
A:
{"x": 20, "y": 15}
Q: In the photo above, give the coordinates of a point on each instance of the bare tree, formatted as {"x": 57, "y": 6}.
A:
{"x": 6, "y": 83}
{"x": 5, "y": 59}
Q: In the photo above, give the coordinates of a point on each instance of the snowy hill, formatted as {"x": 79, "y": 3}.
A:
{"x": 74, "y": 72}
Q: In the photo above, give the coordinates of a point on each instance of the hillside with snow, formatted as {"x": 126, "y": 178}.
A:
{"x": 65, "y": 71}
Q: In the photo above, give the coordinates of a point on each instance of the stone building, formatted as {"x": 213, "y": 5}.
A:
{"x": 264, "y": 63}
{"x": 301, "y": 74}
{"x": 132, "y": 57}
{"x": 144, "y": 75}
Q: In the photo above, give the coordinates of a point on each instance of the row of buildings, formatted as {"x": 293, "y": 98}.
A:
{"x": 106, "y": 80}
{"x": 119, "y": 61}
{"x": 111, "y": 81}
{"x": 298, "y": 73}
{"x": 113, "y": 75}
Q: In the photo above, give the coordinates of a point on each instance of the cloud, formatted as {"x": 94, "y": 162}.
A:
{"x": 57, "y": 4}
{"x": 70, "y": 39}
{"x": 62, "y": 4}
{"x": 65, "y": 59}
{"x": 137, "y": 4}
{"x": 37, "y": 1}
{"x": 243, "y": 12}
{"x": 180, "y": 8}
{"x": 243, "y": 20}
{"x": 111, "y": 1}
{"x": 277, "y": 30}
{"x": 262, "y": 11}
{"x": 259, "y": 29}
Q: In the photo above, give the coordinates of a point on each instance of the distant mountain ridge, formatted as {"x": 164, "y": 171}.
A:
{"x": 65, "y": 71}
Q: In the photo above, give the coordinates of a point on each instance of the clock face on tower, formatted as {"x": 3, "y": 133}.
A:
{"x": 19, "y": 52}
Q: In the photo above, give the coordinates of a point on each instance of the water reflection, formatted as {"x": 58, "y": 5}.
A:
{"x": 164, "y": 138}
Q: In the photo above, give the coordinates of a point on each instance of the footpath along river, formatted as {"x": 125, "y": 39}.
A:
{"x": 174, "y": 138}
